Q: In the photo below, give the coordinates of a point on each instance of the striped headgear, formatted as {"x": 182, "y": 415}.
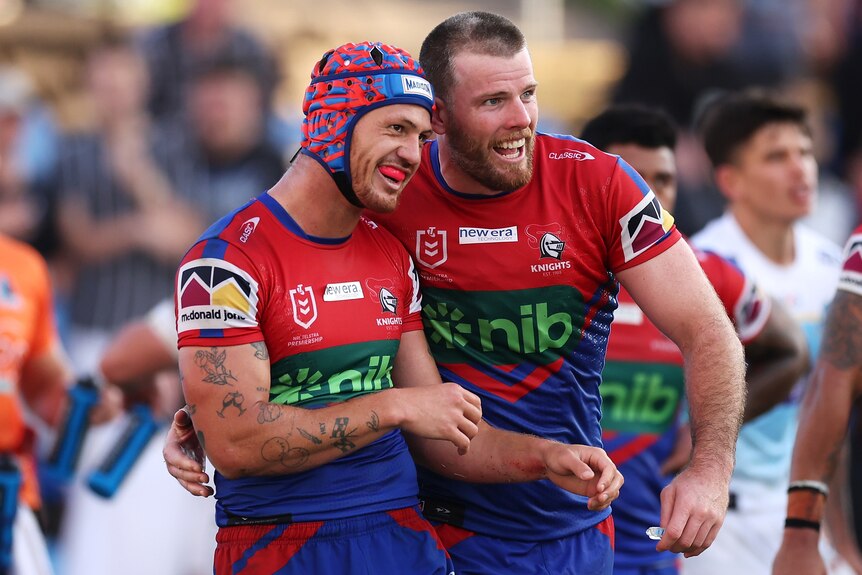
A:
{"x": 348, "y": 82}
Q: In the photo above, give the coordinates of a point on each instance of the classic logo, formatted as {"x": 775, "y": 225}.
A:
{"x": 487, "y": 235}
{"x": 569, "y": 154}
{"x": 343, "y": 291}
{"x": 304, "y": 306}
{"x": 215, "y": 294}
{"x": 248, "y": 228}
{"x": 643, "y": 226}
{"x": 431, "y": 250}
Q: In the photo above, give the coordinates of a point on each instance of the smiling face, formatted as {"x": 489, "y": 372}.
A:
{"x": 773, "y": 177}
{"x": 385, "y": 151}
{"x": 488, "y": 122}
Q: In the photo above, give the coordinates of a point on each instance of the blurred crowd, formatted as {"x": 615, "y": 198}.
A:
{"x": 182, "y": 127}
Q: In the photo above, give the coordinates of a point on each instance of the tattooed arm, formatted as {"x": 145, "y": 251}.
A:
{"x": 833, "y": 387}
{"x": 499, "y": 456}
{"x": 245, "y": 435}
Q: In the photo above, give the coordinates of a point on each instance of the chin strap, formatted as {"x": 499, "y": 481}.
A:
{"x": 346, "y": 189}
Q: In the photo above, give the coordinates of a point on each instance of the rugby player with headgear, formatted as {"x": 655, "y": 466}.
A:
{"x": 303, "y": 357}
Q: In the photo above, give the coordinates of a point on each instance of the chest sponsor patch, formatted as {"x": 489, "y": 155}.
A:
{"x": 487, "y": 235}
{"x": 215, "y": 294}
{"x": 343, "y": 291}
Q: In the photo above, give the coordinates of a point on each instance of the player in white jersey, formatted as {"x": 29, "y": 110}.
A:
{"x": 761, "y": 152}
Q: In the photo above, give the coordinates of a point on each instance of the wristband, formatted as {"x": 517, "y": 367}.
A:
{"x": 793, "y": 522}
{"x": 809, "y": 485}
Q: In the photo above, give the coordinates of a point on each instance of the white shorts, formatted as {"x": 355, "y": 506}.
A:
{"x": 29, "y": 552}
{"x": 751, "y": 536}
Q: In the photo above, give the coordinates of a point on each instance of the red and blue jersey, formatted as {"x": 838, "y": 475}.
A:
{"x": 643, "y": 396}
{"x": 851, "y": 271}
{"x": 518, "y": 296}
{"x": 331, "y": 313}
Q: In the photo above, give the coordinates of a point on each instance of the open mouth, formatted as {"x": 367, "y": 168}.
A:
{"x": 513, "y": 150}
{"x": 392, "y": 175}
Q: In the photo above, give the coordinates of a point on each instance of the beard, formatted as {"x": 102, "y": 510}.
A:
{"x": 477, "y": 160}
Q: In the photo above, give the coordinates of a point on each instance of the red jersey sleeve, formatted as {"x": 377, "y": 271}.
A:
{"x": 218, "y": 297}
{"x": 851, "y": 272}
{"x": 641, "y": 228}
{"x": 746, "y": 305}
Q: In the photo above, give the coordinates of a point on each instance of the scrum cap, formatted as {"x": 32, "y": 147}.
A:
{"x": 347, "y": 83}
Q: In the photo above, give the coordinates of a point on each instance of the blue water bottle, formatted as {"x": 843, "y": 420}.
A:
{"x": 108, "y": 477}
{"x": 10, "y": 485}
{"x": 63, "y": 460}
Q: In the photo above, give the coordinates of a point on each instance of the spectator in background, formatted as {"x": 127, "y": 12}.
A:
{"x": 119, "y": 218}
{"x": 19, "y": 207}
{"x": 226, "y": 155}
{"x": 174, "y": 52}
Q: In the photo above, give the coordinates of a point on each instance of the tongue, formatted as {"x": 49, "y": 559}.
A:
{"x": 392, "y": 173}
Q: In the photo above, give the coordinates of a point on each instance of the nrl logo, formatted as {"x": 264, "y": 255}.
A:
{"x": 304, "y": 306}
{"x": 431, "y": 250}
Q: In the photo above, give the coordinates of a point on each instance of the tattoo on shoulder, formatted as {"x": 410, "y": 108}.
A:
{"x": 260, "y": 350}
{"x": 212, "y": 362}
{"x": 279, "y": 450}
{"x": 842, "y": 345}
{"x": 374, "y": 422}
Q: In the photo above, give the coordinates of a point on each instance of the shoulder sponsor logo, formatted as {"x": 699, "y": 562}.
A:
{"x": 487, "y": 235}
{"x": 304, "y": 306}
{"x": 569, "y": 154}
{"x": 851, "y": 272}
{"x": 431, "y": 249}
{"x": 643, "y": 226}
{"x": 343, "y": 291}
{"x": 382, "y": 290}
{"x": 215, "y": 294}
{"x": 248, "y": 228}
{"x": 417, "y": 85}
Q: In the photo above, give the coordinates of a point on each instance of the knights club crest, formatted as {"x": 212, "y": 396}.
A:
{"x": 382, "y": 290}
{"x": 304, "y": 306}
{"x": 431, "y": 250}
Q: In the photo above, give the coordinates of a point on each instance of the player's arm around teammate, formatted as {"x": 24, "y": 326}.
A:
{"x": 494, "y": 456}
{"x": 695, "y": 503}
{"x": 271, "y": 439}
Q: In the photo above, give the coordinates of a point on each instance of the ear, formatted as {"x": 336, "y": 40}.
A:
{"x": 439, "y": 116}
{"x": 727, "y": 179}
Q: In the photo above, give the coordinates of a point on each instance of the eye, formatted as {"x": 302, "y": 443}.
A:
{"x": 397, "y": 128}
{"x": 423, "y": 137}
{"x": 493, "y": 101}
{"x": 529, "y": 94}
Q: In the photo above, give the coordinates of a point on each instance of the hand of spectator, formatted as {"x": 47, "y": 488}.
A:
{"x": 584, "y": 470}
{"x": 693, "y": 507}
{"x": 799, "y": 554}
{"x": 184, "y": 456}
{"x": 167, "y": 232}
{"x": 446, "y": 411}
{"x": 110, "y": 405}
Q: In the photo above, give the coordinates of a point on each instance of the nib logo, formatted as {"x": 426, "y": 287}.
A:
{"x": 304, "y": 306}
{"x": 431, "y": 249}
{"x": 441, "y": 321}
{"x": 289, "y": 390}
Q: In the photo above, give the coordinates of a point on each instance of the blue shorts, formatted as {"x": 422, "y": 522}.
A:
{"x": 590, "y": 552}
{"x": 664, "y": 568}
{"x": 386, "y": 543}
